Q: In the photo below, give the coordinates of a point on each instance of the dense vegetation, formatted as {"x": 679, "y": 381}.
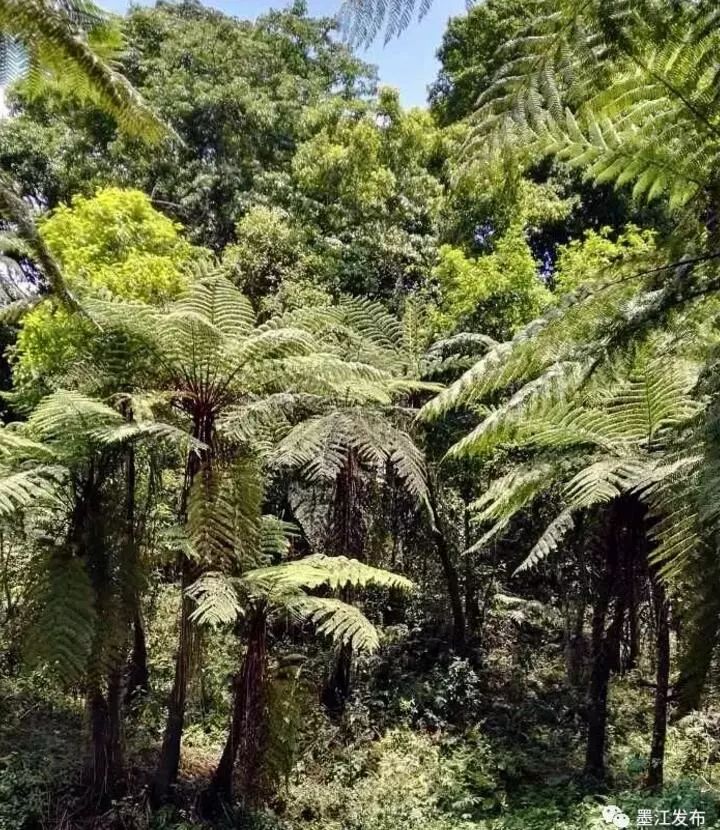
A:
{"x": 359, "y": 466}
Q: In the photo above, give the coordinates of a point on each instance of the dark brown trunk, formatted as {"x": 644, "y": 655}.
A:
{"x": 602, "y": 648}
{"x": 99, "y": 766}
{"x": 337, "y": 688}
{"x": 472, "y": 611}
{"x": 115, "y": 727}
{"x": 633, "y": 628}
{"x": 106, "y": 752}
{"x": 247, "y": 726}
{"x": 597, "y": 695}
{"x": 452, "y": 581}
{"x": 138, "y": 678}
{"x": 169, "y": 761}
{"x": 349, "y": 540}
{"x": 575, "y": 648}
{"x": 654, "y": 779}
{"x": 138, "y": 675}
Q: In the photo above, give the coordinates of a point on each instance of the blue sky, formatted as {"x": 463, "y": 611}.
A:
{"x": 407, "y": 63}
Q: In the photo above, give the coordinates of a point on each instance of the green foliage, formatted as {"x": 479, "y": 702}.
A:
{"x": 217, "y": 426}
{"x": 495, "y": 294}
{"x": 269, "y": 252}
{"x": 70, "y": 41}
{"x": 114, "y": 242}
{"x": 234, "y": 91}
{"x": 117, "y": 240}
{"x": 400, "y": 781}
{"x": 471, "y": 54}
{"x": 587, "y": 260}
{"x": 362, "y": 195}
{"x": 283, "y": 588}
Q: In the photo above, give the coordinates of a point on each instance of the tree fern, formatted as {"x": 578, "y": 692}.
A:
{"x": 283, "y": 589}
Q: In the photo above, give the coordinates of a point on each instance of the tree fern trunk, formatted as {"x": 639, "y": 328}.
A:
{"x": 654, "y": 779}
{"x": 246, "y": 726}
{"x": 116, "y": 755}
{"x": 169, "y": 761}
{"x": 337, "y": 688}
{"x": 575, "y": 647}
{"x": 452, "y": 580}
{"x": 601, "y": 650}
{"x": 472, "y": 610}
{"x": 348, "y": 540}
{"x": 99, "y": 771}
{"x": 138, "y": 675}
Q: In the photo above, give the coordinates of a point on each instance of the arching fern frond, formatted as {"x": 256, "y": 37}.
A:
{"x": 342, "y": 623}
{"x": 64, "y": 40}
{"x": 318, "y": 570}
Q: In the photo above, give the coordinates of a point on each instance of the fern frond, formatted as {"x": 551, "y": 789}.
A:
{"x": 549, "y": 541}
{"x": 56, "y": 44}
{"x": 216, "y": 598}
{"x": 362, "y": 20}
{"x": 63, "y": 617}
{"x": 342, "y": 623}
{"x": 30, "y": 488}
{"x": 318, "y": 448}
{"x": 224, "y": 513}
{"x": 508, "y": 495}
{"x": 318, "y": 570}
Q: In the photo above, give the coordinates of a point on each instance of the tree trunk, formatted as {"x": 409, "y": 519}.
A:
{"x": 246, "y": 726}
{"x": 575, "y": 647}
{"x": 597, "y": 693}
{"x": 633, "y": 630}
{"x": 654, "y": 779}
{"x": 169, "y": 761}
{"x": 451, "y": 575}
{"x": 348, "y": 540}
{"x": 115, "y": 728}
{"x": 106, "y": 752}
{"x": 337, "y": 688}
{"x": 602, "y": 648}
{"x": 138, "y": 675}
{"x": 99, "y": 772}
{"x": 472, "y": 611}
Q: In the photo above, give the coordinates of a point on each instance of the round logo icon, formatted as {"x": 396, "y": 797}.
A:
{"x": 615, "y": 816}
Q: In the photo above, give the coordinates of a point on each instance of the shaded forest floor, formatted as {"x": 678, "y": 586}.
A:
{"x": 428, "y": 742}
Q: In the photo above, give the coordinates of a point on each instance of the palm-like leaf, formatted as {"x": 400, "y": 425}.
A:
{"x": 57, "y": 38}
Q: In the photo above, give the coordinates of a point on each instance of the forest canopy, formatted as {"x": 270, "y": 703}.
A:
{"x": 359, "y": 463}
